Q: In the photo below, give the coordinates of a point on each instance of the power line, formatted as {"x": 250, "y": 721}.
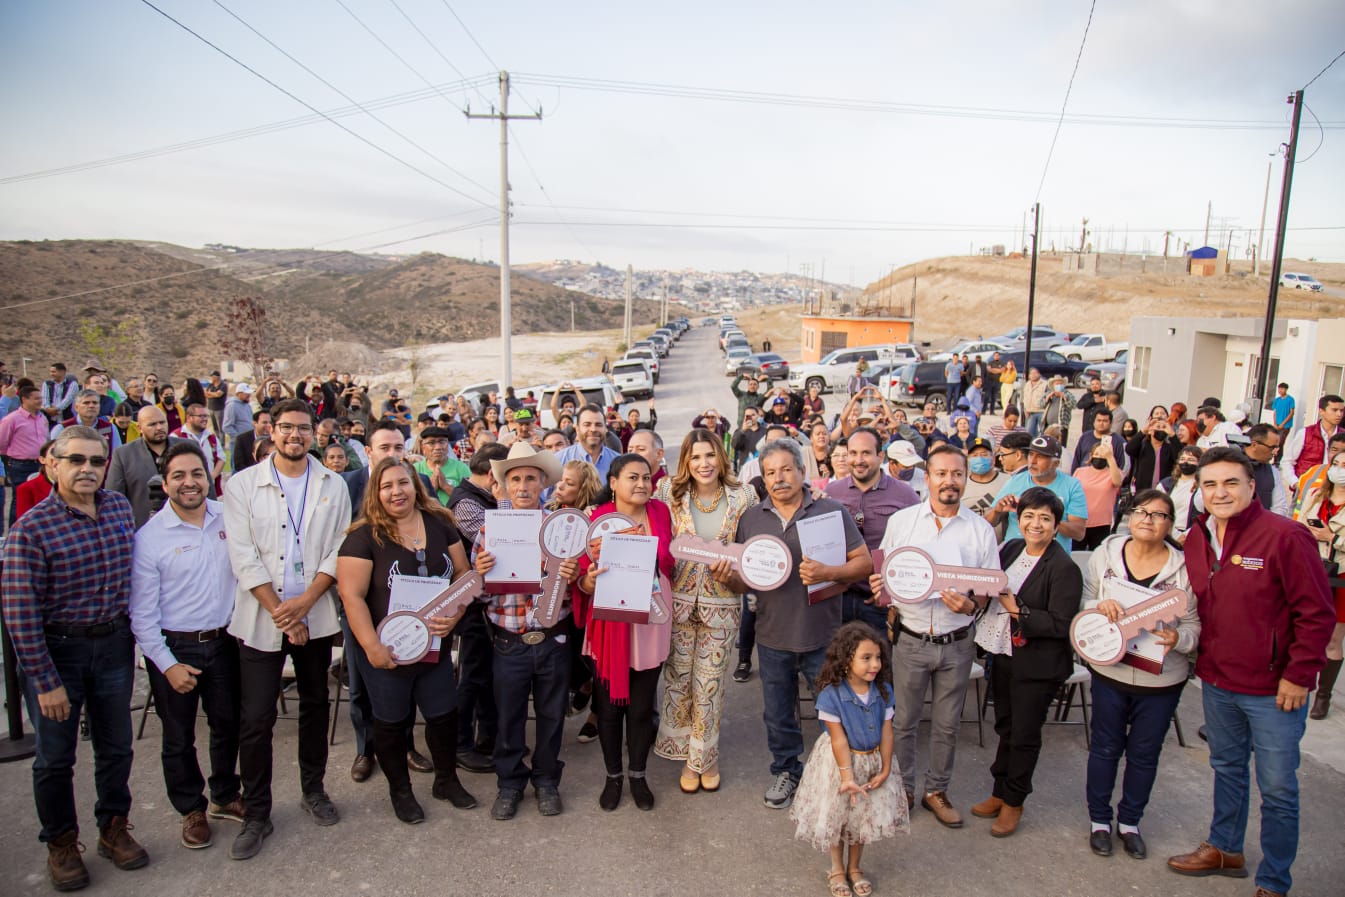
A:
{"x": 547, "y": 196}
{"x": 348, "y": 98}
{"x": 314, "y": 109}
{"x": 1322, "y": 133}
{"x": 399, "y": 56}
{"x": 470, "y": 35}
{"x": 1070, "y": 87}
{"x": 1323, "y": 71}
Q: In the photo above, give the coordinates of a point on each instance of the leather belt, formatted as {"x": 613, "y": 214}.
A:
{"x": 204, "y": 635}
{"x": 947, "y": 638}
{"x": 532, "y": 636}
{"x": 87, "y": 630}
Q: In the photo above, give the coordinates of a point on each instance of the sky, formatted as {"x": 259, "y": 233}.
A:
{"x": 893, "y": 132}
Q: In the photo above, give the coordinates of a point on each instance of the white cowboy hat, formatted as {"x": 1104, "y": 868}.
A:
{"x": 521, "y": 454}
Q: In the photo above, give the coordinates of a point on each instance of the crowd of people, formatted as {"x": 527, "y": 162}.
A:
{"x": 237, "y": 527}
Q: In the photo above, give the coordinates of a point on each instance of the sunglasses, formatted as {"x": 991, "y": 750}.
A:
{"x": 422, "y": 570}
{"x": 81, "y": 460}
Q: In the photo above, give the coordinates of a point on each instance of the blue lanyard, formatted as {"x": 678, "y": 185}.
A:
{"x": 275, "y": 474}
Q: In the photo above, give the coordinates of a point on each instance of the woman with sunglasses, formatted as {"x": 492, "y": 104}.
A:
{"x": 1133, "y": 701}
{"x": 706, "y": 501}
{"x": 401, "y": 531}
{"x": 627, "y": 657}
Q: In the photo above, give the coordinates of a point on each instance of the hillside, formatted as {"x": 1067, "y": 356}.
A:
{"x": 174, "y": 312}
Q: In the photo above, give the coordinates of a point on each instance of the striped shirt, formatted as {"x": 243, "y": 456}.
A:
{"x": 62, "y": 566}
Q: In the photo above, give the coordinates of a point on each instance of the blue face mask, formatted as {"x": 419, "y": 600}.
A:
{"x": 981, "y": 464}
{"x": 906, "y": 474}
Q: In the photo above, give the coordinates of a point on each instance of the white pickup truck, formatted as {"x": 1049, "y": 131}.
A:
{"x": 1089, "y": 347}
{"x": 832, "y": 372}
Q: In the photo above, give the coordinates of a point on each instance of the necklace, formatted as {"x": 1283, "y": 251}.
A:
{"x": 714, "y": 504}
{"x": 417, "y": 537}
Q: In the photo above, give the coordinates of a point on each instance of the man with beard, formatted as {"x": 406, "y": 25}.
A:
{"x": 792, "y": 632}
{"x": 285, "y": 521}
{"x": 590, "y": 442}
{"x": 871, "y": 497}
{"x": 181, "y": 601}
{"x": 196, "y": 427}
{"x": 934, "y": 647}
{"x": 135, "y": 466}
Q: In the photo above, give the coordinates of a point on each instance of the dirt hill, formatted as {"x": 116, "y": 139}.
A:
{"x": 171, "y": 318}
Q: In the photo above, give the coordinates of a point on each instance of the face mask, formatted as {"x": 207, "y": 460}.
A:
{"x": 1161, "y": 435}
{"x": 1336, "y": 475}
{"x": 1188, "y": 469}
{"x": 1200, "y": 426}
{"x": 906, "y": 474}
{"x": 1098, "y": 463}
{"x": 1059, "y": 387}
{"x": 984, "y": 464}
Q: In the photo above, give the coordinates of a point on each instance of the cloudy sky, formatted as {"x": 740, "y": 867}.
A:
{"x": 770, "y": 137}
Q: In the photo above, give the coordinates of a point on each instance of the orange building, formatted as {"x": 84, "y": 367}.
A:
{"x": 823, "y": 333}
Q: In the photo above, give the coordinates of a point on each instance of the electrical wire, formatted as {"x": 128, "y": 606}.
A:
{"x": 349, "y": 99}
{"x": 1068, "y": 89}
{"x": 470, "y": 35}
{"x": 1322, "y": 134}
{"x": 399, "y": 56}
{"x": 314, "y": 109}
{"x": 1323, "y": 71}
{"x": 547, "y": 196}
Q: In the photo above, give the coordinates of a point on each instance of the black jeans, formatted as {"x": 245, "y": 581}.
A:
{"x": 854, "y": 607}
{"x": 17, "y": 471}
{"x": 747, "y": 633}
{"x": 542, "y": 671}
{"x": 1020, "y": 713}
{"x": 260, "y": 677}
{"x": 477, "y": 717}
{"x": 395, "y": 695}
{"x": 636, "y": 717}
{"x": 217, "y": 690}
{"x": 98, "y": 675}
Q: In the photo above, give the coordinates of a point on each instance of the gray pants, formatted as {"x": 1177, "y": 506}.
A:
{"x": 916, "y": 665}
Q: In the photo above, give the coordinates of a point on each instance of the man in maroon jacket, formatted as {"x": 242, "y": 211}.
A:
{"x": 1266, "y": 616}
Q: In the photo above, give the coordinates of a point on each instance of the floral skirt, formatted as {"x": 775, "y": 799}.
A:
{"x": 825, "y": 817}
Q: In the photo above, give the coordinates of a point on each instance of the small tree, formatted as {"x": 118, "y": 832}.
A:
{"x": 245, "y": 335}
{"x": 110, "y": 346}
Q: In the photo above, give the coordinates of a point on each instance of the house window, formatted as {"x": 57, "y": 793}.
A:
{"x": 1333, "y": 380}
{"x": 1139, "y": 377}
{"x": 1255, "y": 370}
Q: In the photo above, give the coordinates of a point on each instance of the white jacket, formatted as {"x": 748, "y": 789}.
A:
{"x": 254, "y": 509}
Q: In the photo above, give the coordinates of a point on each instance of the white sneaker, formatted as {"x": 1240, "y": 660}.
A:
{"x": 781, "y": 793}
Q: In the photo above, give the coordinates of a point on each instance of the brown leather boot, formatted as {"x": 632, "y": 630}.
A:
{"x": 988, "y": 808}
{"x": 64, "y": 863}
{"x": 1321, "y": 704}
{"x": 115, "y": 843}
{"x": 1209, "y": 860}
{"x": 1007, "y": 822}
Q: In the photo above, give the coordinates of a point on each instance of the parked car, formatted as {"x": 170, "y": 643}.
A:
{"x": 661, "y": 344}
{"x": 646, "y": 353}
{"x": 769, "y": 363}
{"x": 1051, "y": 364}
{"x": 1090, "y": 347}
{"x": 835, "y": 368}
{"x": 1300, "y": 281}
{"x": 1111, "y": 373}
{"x": 983, "y": 348}
{"x": 600, "y": 391}
{"x": 734, "y": 356}
{"x": 633, "y": 377}
{"x": 726, "y": 335}
{"x": 738, "y": 342}
{"x": 1041, "y": 333}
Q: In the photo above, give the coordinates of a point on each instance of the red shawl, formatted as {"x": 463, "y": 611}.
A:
{"x": 610, "y": 641}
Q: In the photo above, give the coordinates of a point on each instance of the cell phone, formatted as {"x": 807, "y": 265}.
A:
{"x": 1316, "y": 523}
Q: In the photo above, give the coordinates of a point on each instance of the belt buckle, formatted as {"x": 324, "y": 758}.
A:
{"x": 533, "y": 638}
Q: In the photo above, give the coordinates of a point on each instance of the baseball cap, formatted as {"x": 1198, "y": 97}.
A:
{"x": 243, "y": 387}
{"x": 779, "y": 400}
{"x": 392, "y": 393}
{"x": 1045, "y": 445}
{"x": 980, "y": 442}
{"x": 904, "y": 453}
{"x": 867, "y": 414}
{"x": 522, "y": 414}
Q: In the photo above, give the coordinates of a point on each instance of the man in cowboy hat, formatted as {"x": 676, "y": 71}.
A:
{"x": 528, "y": 658}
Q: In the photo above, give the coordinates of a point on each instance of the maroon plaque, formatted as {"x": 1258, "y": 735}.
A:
{"x": 1103, "y": 643}
{"x": 407, "y": 633}
{"x": 763, "y": 562}
{"x": 564, "y": 535}
{"x": 910, "y": 576}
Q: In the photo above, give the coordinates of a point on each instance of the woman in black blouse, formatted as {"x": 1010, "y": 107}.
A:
{"x": 401, "y": 531}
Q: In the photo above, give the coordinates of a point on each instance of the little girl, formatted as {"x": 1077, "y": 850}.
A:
{"x": 848, "y": 794}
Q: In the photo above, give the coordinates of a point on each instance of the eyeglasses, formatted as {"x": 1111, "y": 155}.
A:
{"x": 81, "y": 460}
{"x": 1156, "y": 516}
{"x": 301, "y": 429}
{"x": 422, "y": 570}
{"x": 1268, "y": 445}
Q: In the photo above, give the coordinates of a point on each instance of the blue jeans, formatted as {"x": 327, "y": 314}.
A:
{"x": 98, "y": 675}
{"x": 1235, "y": 722}
{"x": 780, "y": 692}
{"x": 1130, "y": 724}
{"x": 542, "y": 671}
{"x": 1034, "y": 424}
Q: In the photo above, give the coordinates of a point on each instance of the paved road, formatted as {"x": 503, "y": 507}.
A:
{"x": 724, "y": 843}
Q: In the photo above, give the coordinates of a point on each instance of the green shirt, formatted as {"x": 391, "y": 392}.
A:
{"x": 454, "y": 472}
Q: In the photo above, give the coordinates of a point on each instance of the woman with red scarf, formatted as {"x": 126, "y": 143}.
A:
{"x": 628, "y": 657}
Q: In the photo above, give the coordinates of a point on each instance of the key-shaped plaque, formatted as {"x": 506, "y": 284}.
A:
{"x": 564, "y": 535}
{"x": 910, "y": 575}
{"x": 1101, "y": 642}
{"x": 763, "y": 562}
{"x": 407, "y": 633}
{"x": 660, "y": 603}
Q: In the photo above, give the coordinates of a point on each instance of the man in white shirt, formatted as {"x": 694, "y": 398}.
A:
{"x": 932, "y": 640}
{"x": 285, "y": 520}
{"x": 182, "y": 598}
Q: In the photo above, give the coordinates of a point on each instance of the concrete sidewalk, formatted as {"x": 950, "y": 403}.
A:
{"x": 702, "y": 844}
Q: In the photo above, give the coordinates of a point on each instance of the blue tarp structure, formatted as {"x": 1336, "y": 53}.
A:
{"x": 1204, "y": 252}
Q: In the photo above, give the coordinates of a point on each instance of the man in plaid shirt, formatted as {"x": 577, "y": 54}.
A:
{"x": 529, "y": 660}
{"x": 66, "y": 596}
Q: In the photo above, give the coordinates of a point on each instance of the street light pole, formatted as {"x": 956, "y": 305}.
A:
{"x": 1263, "y": 371}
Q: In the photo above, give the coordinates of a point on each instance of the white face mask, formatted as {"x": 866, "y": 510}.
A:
{"x": 1336, "y": 475}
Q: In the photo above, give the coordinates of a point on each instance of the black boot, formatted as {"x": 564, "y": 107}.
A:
{"x": 1322, "y": 704}
{"x": 390, "y": 749}
{"x": 441, "y": 737}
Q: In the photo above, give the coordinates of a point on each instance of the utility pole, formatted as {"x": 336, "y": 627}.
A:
{"x": 664, "y": 316}
{"x": 1263, "y": 371}
{"x": 1261, "y": 236}
{"x": 506, "y": 313}
{"x": 1032, "y": 289}
{"x": 1209, "y": 210}
{"x": 630, "y": 297}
